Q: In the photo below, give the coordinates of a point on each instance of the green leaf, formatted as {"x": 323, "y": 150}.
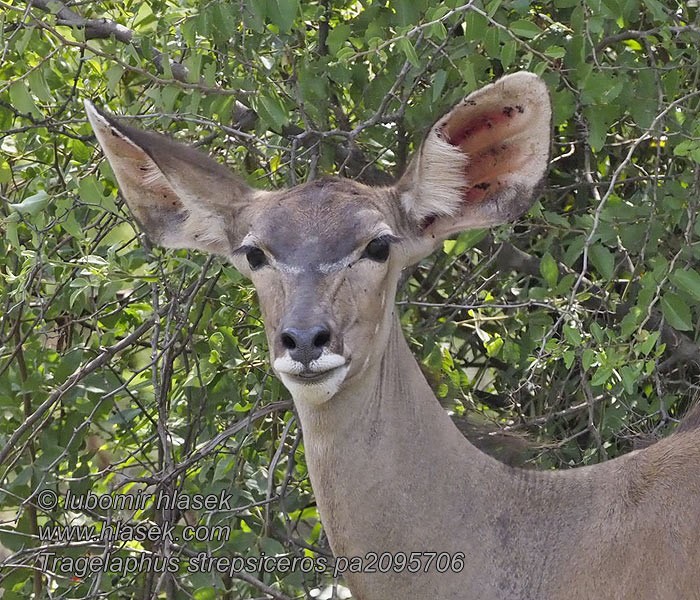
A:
{"x": 5, "y": 172}
{"x": 603, "y": 260}
{"x": 613, "y": 6}
{"x": 22, "y": 100}
{"x": 569, "y": 358}
{"x": 508, "y": 53}
{"x": 193, "y": 62}
{"x": 145, "y": 19}
{"x": 684, "y": 148}
{"x": 555, "y": 52}
{"x": 337, "y": 37}
{"x": 114, "y": 75}
{"x": 273, "y": 111}
{"x": 438, "y": 84}
{"x": 467, "y": 72}
{"x": 492, "y": 41}
{"x": 407, "y": 12}
{"x": 565, "y": 284}
{"x": 205, "y": 593}
{"x": 80, "y": 151}
{"x": 469, "y": 239}
{"x": 32, "y": 204}
{"x": 657, "y": 9}
{"x": 676, "y": 311}
{"x": 254, "y": 15}
{"x": 410, "y": 52}
{"x": 687, "y": 280}
{"x": 475, "y": 26}
{"x": 598, "y": 333}
{"x": 549, "y": 269}
{"x": 285, "y": 15}
{"x": 492, "y": 7}
{"x": 525, "y": 29}
{"x": 648, "y": 344}
{"x": 629, "y": 378}
{"x": 90, "y": 190}
{"x": 574, "y": 250}
{"x": 601, "y": 375}
{"x": 345, "y": 53}
{"x": 572, "y": 335}
{"x": 37, "y": 84}
{"x": 630, "y": 322}
{"x": 600, "y": 118}
{"x": 493, "y": 346}
{"x": 24, "y": 40}
{"x": 222, "y": 467}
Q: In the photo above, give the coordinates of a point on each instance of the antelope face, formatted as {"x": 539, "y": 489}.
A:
{"x": 324, "y": 258}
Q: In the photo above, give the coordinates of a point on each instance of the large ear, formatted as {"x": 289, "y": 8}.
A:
{"x": 482, "y": 163}
{"x": 180, "y": 197}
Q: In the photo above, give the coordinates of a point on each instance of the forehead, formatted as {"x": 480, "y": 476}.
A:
{"x": 319, "y": 222}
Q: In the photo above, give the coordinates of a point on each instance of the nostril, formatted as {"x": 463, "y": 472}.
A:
{"x": 305, "y": 344}
{"x": 288, "y": 341}
{"x": 322, "y": 338}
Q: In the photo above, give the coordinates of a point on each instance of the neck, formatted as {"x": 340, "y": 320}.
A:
{"x": 387, "y": 464}
{"x": 392, "y": 474}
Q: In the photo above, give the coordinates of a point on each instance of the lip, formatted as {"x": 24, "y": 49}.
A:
{"x": 313, "y": 377}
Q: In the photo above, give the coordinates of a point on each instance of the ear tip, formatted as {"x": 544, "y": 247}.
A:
{"x": 530, "y": 84}
{"x": 93, "y": 113}
{"x": 524, "y": 78}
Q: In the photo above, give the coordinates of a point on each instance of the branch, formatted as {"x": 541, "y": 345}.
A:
{"x": 79, "y": 374}
{"x": 211, "y": 444}
{"x": 244, "y": 118}
{"x": 634, "y": 34}
{"x": 242, "y": 575}
{"x": 94, "y": 28}
{"x": 681, "y": 347}
{"x": 104, "y": 29}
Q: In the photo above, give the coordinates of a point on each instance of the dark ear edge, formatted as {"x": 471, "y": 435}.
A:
{"x": 157, "y": 144}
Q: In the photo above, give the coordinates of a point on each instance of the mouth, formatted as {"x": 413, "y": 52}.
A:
{"x": 308, "y": 377}
{"x": 315, "y": 382}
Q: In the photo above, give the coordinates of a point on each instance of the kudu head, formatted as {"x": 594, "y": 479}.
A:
{"x": 325, "y": 256}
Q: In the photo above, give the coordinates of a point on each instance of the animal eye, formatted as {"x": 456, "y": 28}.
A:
{"x": 256, "y": 258}
{"x": 377, "y": 249}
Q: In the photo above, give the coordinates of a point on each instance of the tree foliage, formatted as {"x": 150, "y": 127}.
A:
{"x": 124, "y": 366}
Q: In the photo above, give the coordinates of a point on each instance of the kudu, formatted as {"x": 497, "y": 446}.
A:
{"x": 390, "y": 471}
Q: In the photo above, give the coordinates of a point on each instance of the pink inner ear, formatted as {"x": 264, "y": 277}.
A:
{"x": 473, "y": 127}
{"x": 472, "y": 132}
{"x": 485, "y": 137}
{"x": 476, "y": 194}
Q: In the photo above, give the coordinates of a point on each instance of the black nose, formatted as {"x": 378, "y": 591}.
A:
{"x": 305, "y": 345}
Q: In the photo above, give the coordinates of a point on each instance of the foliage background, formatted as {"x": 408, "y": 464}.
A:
{"x": 123, "y": 366}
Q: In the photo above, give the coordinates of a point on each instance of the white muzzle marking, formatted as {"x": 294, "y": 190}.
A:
{"x": 325, "y": 375}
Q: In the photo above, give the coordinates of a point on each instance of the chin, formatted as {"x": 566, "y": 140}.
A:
{"x": 314, "y": 393}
